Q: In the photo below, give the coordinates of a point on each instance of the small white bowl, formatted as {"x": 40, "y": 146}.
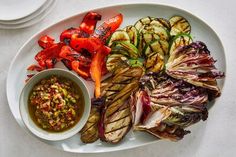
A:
{"x": 30, "y": 124}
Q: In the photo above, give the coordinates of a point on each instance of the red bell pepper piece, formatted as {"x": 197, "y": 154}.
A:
{"x": 83, "y": 72}
{"x": 67, "y": 63}
{"x": 45, "y": 41}
{"x": 108, "y": 27}
{"x": 89, "y": 22}
{"x": 66, "y": 34}
{"x": 92, "y": 45}
{"x": 96, "y": 68}
{"x": 85, "y": 29}
{"x": 49, "y": 56}
{"x": 68, "y": 53}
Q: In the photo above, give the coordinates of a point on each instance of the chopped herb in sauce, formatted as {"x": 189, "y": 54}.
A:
{"x": 56, "y": 104}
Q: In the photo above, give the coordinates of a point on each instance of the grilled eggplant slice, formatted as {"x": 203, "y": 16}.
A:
{"x": 116, "y": 117}
{"x": 118, "y": 124}
{"x": 179, "y": 25}
{"x": 89, "y": 132}
{"x": 115, "y": 61}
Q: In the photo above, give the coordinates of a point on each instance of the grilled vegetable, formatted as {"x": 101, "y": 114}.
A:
{"x": 136, "y": 62}
{"x": 117, "y": 125}
{"x": 193, "y": 64}
{"x": 179, "y": 25}
{"x": 161, "y": 22}
{"x": 160, "y": 31}
{"x": 133, "y": 34}
{"x": 171, "y": 132}
{"x": 89, "y": 132}
{"x": 166, "y": 106}
{"x": 117, "y": 36}
{"x": 180, "y": 40}
{"x": 144, "y": 21}
{"x": 127, "y": 49}
{"x": 145, "y": 39}
{"x": 111, "y": 86}
{"x": 116, "y": 117}
{"x": 115, "y": 61}
{"x": 108, "y": 27}
{"x": 154, "y": 62}
{"x": 157, "y": 46}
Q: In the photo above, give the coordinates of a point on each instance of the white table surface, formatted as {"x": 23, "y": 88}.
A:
{"x": 214, "y": 138}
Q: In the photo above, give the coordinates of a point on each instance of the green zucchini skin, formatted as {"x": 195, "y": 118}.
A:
{"x": 130, "y": 49}
{"x": 117, "y": 36}
{"x": 133, "y": 34}
{"x": 181, "y": 39}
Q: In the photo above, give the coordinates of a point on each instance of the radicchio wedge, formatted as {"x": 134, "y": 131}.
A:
{"x": 174, "y": 105}
{"x": 193, "y": 64}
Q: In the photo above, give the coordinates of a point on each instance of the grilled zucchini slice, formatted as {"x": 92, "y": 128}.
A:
{"x": 157, "y": 46}
{"x": 119, "y": 35}
{"x": 180, "y": 40}
{"x": 158, "y": 30}
{"x": 161, "y": 22}
{"x": 179, "y": 25}
{"x": 129, "y": 48}
{"x": 143, "y": 21}
{"x": 133, "y": 34}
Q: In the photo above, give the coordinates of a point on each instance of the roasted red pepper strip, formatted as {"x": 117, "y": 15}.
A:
{"x": 49, "y": 56}
{"x": 92, "y": 45}
{"x": 89, "y": 22}
{"x": 68, "y": 53}
{"x": 66, "y": 35}
{"x": 45, "y": 41}
{"x": 96, "y": 68}
{"x": 85, "y": 29}
{"x": 108, "y": 27}
{"x": 80, "y": 71}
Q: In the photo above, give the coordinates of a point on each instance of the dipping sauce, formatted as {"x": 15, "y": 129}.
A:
{"x": 56, "y": 104}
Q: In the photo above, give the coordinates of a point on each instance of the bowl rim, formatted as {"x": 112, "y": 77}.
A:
{"x": 54, "y": 136}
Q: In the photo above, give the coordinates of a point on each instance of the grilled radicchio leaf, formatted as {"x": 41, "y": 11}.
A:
{"x": 173, "y": 105}
{"x": 193, "y": 64}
